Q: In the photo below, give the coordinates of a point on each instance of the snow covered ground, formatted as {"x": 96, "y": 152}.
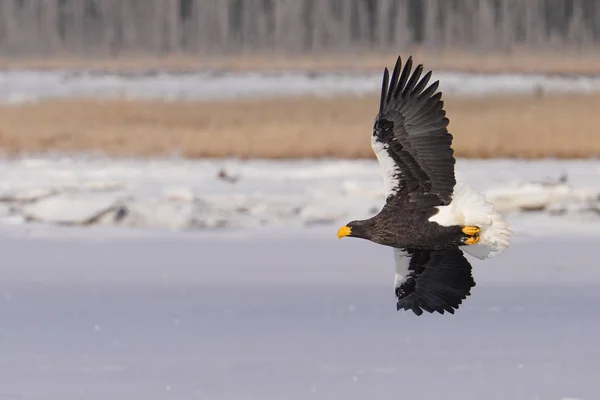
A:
{"x": 272, "y": 305}
{"x": 282, "y": 313}
{"x": 230, "y": 194}
{"x": 18, "y": 86}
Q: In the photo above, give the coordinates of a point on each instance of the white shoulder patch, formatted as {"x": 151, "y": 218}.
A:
{"x": 389, "y": 169}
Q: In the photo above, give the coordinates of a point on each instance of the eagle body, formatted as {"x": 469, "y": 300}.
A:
{"x": 399, "y": 227}
{"x": 428, "y": 219}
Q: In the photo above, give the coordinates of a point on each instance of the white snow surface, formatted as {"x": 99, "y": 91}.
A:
{"x": 227, "y": 194}
{"x": 19, "y": 86}
{"x": 282, "y": 313}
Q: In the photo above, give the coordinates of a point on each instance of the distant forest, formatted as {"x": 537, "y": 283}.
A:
{"x": 118, "y": 27}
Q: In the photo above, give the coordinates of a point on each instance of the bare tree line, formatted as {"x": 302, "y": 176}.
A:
{"x": 117, "y": 27}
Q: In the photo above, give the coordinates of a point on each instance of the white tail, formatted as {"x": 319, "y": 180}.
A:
{"x": 469, "y": 207}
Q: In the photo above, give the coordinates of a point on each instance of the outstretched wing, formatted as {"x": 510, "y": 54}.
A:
{"x": 410, "y": 138}
{"x": 432, "y": 280}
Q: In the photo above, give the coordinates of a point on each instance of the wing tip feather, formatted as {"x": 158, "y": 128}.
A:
{"x": 384, "y": 88}
{"x": 406, "y": 81}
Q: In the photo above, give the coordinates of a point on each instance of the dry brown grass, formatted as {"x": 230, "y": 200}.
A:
{"x": 528, "y": 126}
{"x": 526, "y": 61}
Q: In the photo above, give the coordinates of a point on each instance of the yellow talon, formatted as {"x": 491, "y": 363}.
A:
{"x": 470, "y": 230}
{"x": 472, "y": 240}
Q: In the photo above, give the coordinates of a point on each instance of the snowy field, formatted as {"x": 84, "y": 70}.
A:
{"x": 18, "y": 86}
{"x": 281, "y": 313}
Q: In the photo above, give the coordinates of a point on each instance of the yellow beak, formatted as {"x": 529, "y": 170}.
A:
{"x": 343, "y": 231}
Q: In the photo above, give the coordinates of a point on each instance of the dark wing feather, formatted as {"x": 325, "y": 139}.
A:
{"x": 436, "y": 281}
{"x": 411, "y": 130}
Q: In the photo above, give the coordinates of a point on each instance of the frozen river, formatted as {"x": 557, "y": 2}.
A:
{"x": 271, "y": 305}
{"x": 285, "y": 314}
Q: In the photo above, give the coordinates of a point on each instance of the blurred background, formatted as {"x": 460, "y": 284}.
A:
{"x": 217, "y": 97}
{"x": 173, "y": 173}
{"x": 97, "y": 28}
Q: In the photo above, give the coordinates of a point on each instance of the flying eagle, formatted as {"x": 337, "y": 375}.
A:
{"x": 427, "y": 218}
